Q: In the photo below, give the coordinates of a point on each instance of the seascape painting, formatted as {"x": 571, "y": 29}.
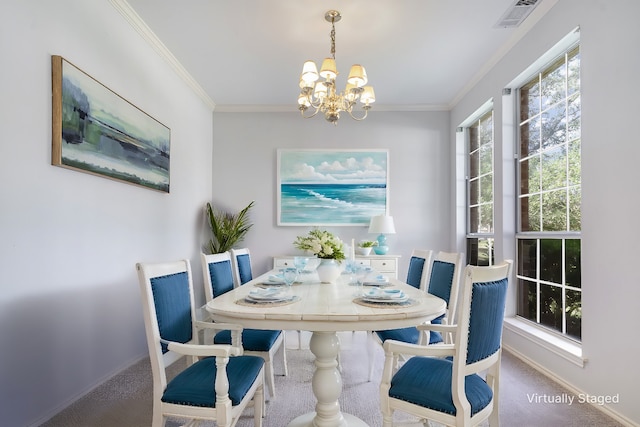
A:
{"x": 331, "y": 187}
{"x": 98, "y": 132}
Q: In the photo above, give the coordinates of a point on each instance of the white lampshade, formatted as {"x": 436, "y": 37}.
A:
{"x": 320, "y": 91}
{"x": 304, "y": 100}
{"x": 382, "y": 224}
{"x": 357, "y": 75}
{"x": 309, "y": 72}
{"x": 328, "y": 70}
{"x": 350, "y": 93}
{"x": 306, "y": 84}
{"x": 368, "y": 96}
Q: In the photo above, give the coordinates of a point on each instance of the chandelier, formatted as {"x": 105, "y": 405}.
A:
{"x": 322, "y": 95}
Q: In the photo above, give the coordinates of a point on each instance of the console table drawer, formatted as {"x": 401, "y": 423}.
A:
{"x": 282, "y": 262}
{"x": 386, "y": 265}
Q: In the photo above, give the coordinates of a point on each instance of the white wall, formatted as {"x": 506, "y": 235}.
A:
{"x": 610, "y": 153}
{"x": 69, "y": 301}
{"x": 244, "y": 169}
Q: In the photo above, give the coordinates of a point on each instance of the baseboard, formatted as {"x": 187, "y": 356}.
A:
{"x": 544, "y": 371}
{"x": 59, "y": 408}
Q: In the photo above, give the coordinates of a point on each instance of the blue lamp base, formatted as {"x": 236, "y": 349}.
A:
{"x": 381, "y": 248}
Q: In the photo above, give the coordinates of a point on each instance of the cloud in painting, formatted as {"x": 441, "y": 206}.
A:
{"x": 346, "y": 170}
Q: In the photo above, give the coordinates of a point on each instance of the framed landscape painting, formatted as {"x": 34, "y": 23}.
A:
{"x": 331, "y": 187}
{"x": 96, "y": 131}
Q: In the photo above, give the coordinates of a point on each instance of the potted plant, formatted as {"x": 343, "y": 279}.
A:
{"x": 365, "y": 246}
{"x": 227, "y": 228}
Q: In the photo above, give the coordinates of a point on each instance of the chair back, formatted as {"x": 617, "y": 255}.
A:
{"x": 481, "y": 316}
{"x": 168, "y": 309}
{"x": 444, "y": 280}
{"x": 218, "y": 274}
{"x": 419, "y": 266}
{"x": 213, "y": 385}
{"x": 241, "y": 261}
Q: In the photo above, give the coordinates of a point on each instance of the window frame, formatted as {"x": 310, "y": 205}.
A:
{"x": 539, "y": 235}
{"x": 485, "y": 110}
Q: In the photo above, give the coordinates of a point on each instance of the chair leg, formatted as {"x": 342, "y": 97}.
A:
{"x": 159, "y": 420}
{"x": 284, "y": 354}
{"x": 387, "y": 419}
{"x": 258, "y": 406}
{"x": 268, "y": 365}
{"x": 370, "y": 353}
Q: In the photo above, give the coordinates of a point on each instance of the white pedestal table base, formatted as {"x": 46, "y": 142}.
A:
{"x": 327, "y": 386}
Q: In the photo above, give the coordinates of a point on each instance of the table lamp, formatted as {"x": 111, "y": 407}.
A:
{"x": 382, "y": 224}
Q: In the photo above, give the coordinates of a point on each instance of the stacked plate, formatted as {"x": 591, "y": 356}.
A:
{"x": 268, "y": 295}
{"x": 379, "y": 280}
{"x": 384, "y": 295}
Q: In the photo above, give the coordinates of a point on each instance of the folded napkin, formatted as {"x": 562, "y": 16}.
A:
{"x": 266, "y": 294}
{"x": 386, "y": 294}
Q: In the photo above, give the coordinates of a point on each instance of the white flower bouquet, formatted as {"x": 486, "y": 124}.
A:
{"x": 322, "y": 244}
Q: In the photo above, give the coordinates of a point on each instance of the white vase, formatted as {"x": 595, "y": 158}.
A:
{"x": 328, "y": 271}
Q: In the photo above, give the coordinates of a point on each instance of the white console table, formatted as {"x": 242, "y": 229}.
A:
{"x": 384, "y": 264}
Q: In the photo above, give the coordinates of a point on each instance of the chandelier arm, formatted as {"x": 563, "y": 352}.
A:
{"x": 312, "y": 115}
{"x": 366, "y": 111}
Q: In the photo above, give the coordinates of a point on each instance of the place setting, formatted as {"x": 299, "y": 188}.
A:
{"x": 269, "y": 296}
{"x": 279, "y": 280}
{"x": 376, "y": 297}
{"x": 275, "y": 291}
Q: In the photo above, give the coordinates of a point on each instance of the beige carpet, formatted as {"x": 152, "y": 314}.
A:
{"x": 125, "y": 400}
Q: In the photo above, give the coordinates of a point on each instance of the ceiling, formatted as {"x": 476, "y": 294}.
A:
{"x": 248, "y": 54}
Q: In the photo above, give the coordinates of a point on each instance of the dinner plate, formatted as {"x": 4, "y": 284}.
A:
{"x": 384, "y": 295}
{"x": 268, "y": 294}
{"x": 379, "y": 280}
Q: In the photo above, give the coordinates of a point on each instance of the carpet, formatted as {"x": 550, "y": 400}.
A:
{"x": 125, "y": 400}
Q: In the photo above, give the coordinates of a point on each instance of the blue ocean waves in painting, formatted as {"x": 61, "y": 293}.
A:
{"x": 331, "y": 203}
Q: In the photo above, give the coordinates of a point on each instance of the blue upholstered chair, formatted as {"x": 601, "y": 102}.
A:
{"x": 218, "y": 279}
{"x": 417, "y": 275}
{"x": 444, "y": 281}
{"x": 442, "y": 382}
{"x": 419, "y": 267}
{"x": 216, "y": 388}
{"x": 241, "y": 262}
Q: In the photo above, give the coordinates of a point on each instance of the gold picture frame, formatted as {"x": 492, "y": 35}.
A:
{"x": 96, "y": 131}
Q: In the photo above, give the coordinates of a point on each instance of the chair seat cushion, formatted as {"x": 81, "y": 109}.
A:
{"x": 434, "y": 336}
{"x": 409, "y": 335}
{"x": 195, "y": 386}
{"x": 426, "y": 382}
{"x": 252, "y": 339}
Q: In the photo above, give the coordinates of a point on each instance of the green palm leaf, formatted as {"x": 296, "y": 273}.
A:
{"x": 227, "y": 228}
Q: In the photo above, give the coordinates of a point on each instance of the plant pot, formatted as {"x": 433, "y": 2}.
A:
{"x": 328, "y": 271}
{"x": 364, "y": 251}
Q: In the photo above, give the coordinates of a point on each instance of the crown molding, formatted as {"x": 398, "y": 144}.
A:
{"x": 290, "y": 108}
{"x": 125, "y": 9}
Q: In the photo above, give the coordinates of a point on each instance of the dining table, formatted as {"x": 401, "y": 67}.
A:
{"x": 325, "y": 309}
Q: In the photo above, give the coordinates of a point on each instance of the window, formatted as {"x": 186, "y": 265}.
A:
{"x": 549, "y": 192}
{"x": 480, "y": 191}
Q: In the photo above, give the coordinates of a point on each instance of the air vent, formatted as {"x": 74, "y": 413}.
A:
{"x": 517, "y": 13}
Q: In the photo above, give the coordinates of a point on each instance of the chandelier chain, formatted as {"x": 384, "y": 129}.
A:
{"x": 333, "y": 39}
